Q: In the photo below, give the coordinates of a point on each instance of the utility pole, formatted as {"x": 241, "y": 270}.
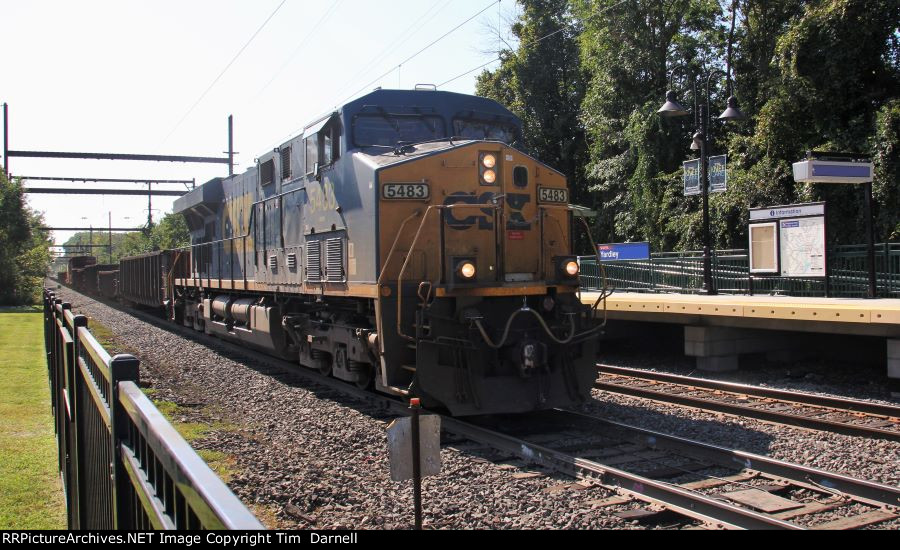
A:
{"x": 110, "y": 237}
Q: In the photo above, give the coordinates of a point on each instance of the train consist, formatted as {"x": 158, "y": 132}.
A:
{"x": 401, "y": 241}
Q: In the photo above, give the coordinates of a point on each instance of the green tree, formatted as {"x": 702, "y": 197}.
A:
{"x": 836, "y": 82}
{"x": 542, "y": 83}
{"x": 24, "y": 246}
{"x": 628, "y": 50}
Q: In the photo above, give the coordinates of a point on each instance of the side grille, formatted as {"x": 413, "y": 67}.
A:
{"x": 273, "y": 263}
{"x": 292, "y": 261}
{"x": 334, "y": 260}
{"x": 286, "y": 163}
{"x": 314, "y": 262}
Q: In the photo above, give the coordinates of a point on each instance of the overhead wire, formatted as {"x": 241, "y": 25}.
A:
{"x": 422, "y": 50}
{"x": 230, "y": 63}
{"x": 535, "y": 41}
{"x": 302, "y": 43}
{"x": 403, "y": 37}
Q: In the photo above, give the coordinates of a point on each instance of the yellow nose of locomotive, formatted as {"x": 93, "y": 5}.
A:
{"x": 487, "y": 216}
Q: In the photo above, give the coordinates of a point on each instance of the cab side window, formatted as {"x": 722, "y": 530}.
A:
{"x": 312, "y": 152}
{"x": 324, "y": 146}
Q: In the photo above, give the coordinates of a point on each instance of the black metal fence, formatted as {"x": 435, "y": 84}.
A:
{"x": 682, "y": 272}
{"x": 123, "y": 466}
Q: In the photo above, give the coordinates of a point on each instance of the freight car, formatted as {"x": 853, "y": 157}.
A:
{"x": 75, "y": 268}
{"x": 403, "y": 241}
{"x": 148, "y": 279}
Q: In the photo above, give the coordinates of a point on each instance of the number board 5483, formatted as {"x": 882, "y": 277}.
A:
{"x": 405, "y": 191}
{"x": 551, "y": 194}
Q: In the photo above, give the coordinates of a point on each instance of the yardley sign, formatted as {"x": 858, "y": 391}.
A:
{"x": 777, "y": 212}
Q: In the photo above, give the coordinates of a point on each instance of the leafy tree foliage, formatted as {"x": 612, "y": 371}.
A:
{"x": 24, "y": 253}
{"x": 543, "y": 83}
{"x": 810, "y": 74}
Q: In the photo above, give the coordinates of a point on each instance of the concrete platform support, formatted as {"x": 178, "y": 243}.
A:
{"x": 893, "y": 359}
{"x": 717, "y": 348}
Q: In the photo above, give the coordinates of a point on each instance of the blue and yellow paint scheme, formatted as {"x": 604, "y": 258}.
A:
{"x": 404, "y": 241}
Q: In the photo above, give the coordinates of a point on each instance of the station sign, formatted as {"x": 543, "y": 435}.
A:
{"x": 613, "y": 252}
{"x": 832, "y": 171}
{"x": 794, "y": 210}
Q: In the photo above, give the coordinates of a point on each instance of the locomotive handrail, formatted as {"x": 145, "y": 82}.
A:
{"x": 412, "y": 247}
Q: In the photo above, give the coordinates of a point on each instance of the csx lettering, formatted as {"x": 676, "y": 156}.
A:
{"x": 515, "y": 201}
{"x": 461, "y": 197}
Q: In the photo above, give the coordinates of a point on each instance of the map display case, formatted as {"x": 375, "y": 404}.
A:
{"x": 788, "y": 241}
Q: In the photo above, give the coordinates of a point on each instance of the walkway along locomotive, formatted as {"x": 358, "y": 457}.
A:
{"x": 400, "y": 241}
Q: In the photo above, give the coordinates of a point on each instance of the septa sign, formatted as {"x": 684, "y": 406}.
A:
{"x": 613, "y": 252}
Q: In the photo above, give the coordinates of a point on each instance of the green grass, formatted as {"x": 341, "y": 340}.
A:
{"x": 30, "y": 492}
{"x": 222, "y": 464}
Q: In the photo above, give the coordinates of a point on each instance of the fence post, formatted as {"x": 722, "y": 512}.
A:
{"x": 74, "y": 390}
{"x": 122, "y": 367}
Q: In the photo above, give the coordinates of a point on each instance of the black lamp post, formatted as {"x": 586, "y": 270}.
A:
{"x": 671, "y": 108}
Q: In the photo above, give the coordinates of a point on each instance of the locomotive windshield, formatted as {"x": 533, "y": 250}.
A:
{"x": 483, "y": 129}
{"x": 391, "y": 129}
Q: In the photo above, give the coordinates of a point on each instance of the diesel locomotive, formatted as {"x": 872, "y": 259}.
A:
{"x": 403, "y": 241}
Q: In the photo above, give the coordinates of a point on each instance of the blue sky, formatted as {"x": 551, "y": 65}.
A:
{"x": 123, "y": 76}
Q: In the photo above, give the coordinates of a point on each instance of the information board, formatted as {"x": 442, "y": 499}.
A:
{"x": 802, "y": 247}
{"x": 764, "y": 248}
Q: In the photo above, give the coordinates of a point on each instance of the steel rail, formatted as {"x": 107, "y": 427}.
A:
{"x": 828, "y": 404}
{"x": 688, "y": 503}
{"x": 877, "y": 494}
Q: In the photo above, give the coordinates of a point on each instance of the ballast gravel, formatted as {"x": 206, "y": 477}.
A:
{"x": 303, "y": 456}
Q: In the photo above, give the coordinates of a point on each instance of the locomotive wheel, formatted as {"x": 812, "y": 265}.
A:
{"x": 325, "y": 365}
{"x": 366, "y": 377}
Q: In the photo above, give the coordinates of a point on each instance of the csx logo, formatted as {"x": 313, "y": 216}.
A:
{"x": 459, "y": 220}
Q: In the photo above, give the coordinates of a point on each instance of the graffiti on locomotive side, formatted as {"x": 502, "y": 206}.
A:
{"x": 321, "y": 198}
{"x": 461, "y": 221}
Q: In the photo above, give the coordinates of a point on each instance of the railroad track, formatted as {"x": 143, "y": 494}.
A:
{"x": 666, "y": 480}
{"x": 679, "y": 483}
{"x": 845, "y": 416}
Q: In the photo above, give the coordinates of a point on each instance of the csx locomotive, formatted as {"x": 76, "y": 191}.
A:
{"x": 402, "y": 241}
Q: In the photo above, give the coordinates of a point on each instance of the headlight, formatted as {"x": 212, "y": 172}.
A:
{"x": 489, "y": 176}
{"x": 489, "y": 161}
{"x": 566, "y": 269}
{"x": 466, "y": 270}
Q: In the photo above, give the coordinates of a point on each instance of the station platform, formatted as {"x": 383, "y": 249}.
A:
{"x": 719, "y": 328}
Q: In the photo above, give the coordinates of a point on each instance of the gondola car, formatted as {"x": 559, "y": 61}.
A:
{"x": 404, "y": 241}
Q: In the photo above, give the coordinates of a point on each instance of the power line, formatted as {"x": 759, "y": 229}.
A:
{"x": 546, "y": 36}
{"x": 302, "y": 43}
{"x": 402, "y": 38}
{"x": 230, "y": 63}
{"x": 413, "y": 56}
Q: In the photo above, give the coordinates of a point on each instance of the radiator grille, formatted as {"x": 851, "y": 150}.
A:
{"x": 314, "y": 262}
{"x": 334, "y": 262}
